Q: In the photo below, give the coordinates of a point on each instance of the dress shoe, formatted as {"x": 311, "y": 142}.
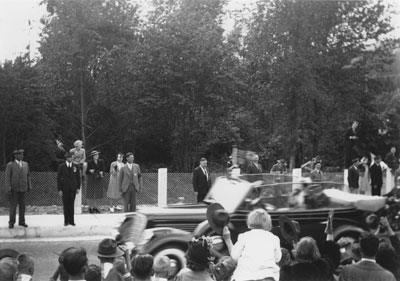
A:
{"x": 91, "y": 210}
{"x": 10, "y": 226}
{"x": 112, "y": 209}
{"x": 95, "y": 210}
{"x": 23, "y": 224}
{"x": 73, "y": 224}
{"x": 65, "y": 224}
{"x": 118, "y": 208}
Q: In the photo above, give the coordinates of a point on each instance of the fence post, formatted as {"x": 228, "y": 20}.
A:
{"x": 162, "y": 186}
{"x": 78, "y": 202}
{"x": 296, "y": 176}
{"x": 345, "y": 183}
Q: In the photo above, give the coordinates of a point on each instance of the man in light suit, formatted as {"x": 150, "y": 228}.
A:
{"x": 316, "y": 174}
{"x": 68, "y": 185}
{"x": 201, "y": 180}
{"x": 130, "y": 183}
{"x": 17, "y": 183}
{"x": 367, "y": 268}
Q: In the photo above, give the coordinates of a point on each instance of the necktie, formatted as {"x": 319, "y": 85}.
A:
{"x": 205, "y": 172}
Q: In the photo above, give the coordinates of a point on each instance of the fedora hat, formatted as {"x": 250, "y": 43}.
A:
{"x": 217, "y": 217}
{"x": 290, "y": 229}
{"x": 8, "y": 253}
{"x": 93, "y": 153}
{"x": 108, "y": 249}
{"x": 18, "y": 151}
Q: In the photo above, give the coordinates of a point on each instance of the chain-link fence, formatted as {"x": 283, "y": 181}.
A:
{"x": 44, "y": 184}
{"x": 44, "y": 192}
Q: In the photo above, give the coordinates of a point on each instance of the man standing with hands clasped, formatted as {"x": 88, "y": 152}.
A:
{"x": 17, "y": 183}
{"x": 68, "y": 184}
{"x": 130, "y": 183}
{"x": 201, "y": 180}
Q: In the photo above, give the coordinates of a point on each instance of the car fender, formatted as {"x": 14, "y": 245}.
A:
{"x": 201, "y": 229}
{"x": 163, "y": 236}
{"x": 338, "y": 231}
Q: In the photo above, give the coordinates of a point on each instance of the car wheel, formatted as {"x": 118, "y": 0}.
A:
{"x": 176, "y": 254}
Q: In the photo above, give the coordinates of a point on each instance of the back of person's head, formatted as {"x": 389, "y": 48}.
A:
{"x": 26, "y": 264}
{"x": 307, "y": 250}
{"x": 259, "y": 219}
{"x": 142, "y": 266}
{"x": 387, "y": 258}
{"x": 93, "y": 273}
{"x": 330, "y": 250}
{"x": 75, "y": 261}
{"x": 198, "y": 254}
{"x": 369, "y": 245}
{"x": 8, "y": 269}
{"x": 161, "y": 266}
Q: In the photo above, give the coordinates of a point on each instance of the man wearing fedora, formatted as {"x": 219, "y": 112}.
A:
{"x": 130, "y": 183}
{"x": 68, "y": 185}
{"x": 107, "y": 252}
{"x": 201, "y": 180}
{"x": 17, "y": 181}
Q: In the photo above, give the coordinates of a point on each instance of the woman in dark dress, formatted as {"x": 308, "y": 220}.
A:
{"x": 95, "y": 173}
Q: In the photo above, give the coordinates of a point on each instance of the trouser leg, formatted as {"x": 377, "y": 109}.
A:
{"x": 21, "y": 203}
{"x": 133, "y": 200}
{"x": 127, "y": 197}
{"x": 65, "y": 207}
{"x": 13, "y": 207}
{"x": 71, "y": 208}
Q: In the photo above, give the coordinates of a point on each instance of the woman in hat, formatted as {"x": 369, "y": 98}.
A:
{"x": 198, "y": 257}
{"x": 113, "y": 191}
{"x": 363, "y": 180}
{"x": 95, "y": 173}
{"x": 257, "y": 251}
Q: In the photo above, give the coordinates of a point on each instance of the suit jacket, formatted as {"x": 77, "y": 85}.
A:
{"x": 352, "y": 177}
{"x": 350, "y": 133}
{"x": 253, "y": 169}
{"x": 316, "y": 176}
{"x": 200, "y": 182}
{"x": 365, "y": 270}
{"x": 68, "y": 179}
{"x": 376, "y": 174}
{"x": 127, "y": 177}
{"x": 17, "y": 177}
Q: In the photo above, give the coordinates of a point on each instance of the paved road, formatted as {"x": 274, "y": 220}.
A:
{"x": 46, "y": 261}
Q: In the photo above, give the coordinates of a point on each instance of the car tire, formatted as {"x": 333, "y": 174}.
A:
{"x": 176, "y": 253}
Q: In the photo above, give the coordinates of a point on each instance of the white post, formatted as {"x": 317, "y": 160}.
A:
{"x": 345, "y": 182}
{"x": 296, "y": 176}
{"x": 162, "y": 186}
{"x": 78, "y": 202}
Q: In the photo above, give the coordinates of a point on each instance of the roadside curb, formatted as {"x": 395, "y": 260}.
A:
{"x": 51, "y": 226}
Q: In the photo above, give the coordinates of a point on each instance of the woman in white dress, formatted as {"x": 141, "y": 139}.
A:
{"x": 113, "y": 191}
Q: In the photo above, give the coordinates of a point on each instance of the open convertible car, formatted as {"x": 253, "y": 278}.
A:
{"x": 168, "y": 229}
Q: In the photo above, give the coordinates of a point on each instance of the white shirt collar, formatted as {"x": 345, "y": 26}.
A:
{"x": 370, "y": 260}
{"x": 25, "y": 277}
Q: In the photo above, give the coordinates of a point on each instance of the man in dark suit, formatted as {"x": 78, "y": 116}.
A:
{"x": 376, "y": 176}
{"x": 201, "y": 180}
{"x": 254, "y": 170}
{"x": 316, "y": 174}
{"x": 17, "y": 183}
{"x": 353, "y": 175}
{"x": 367, "y": 268}
{"x": 351, "y": 138}
{"x": 68, "y": 185}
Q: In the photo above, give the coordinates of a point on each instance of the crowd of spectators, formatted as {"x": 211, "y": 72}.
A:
{"x": 256, "y": 255}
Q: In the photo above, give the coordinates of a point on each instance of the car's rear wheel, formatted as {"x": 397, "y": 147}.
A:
{"x": 176, "y": 254}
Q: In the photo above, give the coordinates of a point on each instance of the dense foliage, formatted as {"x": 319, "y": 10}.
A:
{"x": 173, "y": 87}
